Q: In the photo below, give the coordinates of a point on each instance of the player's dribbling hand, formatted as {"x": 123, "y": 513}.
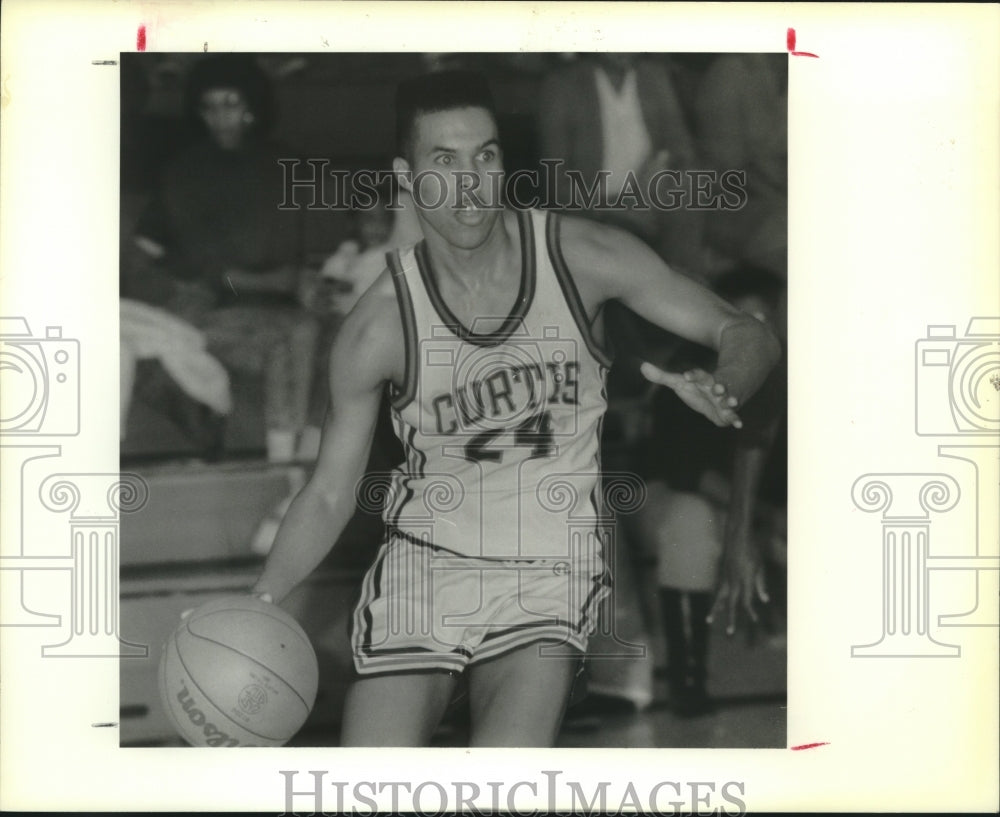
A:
{"x": 262, "y": 596}
{"x": 700, "y": 391}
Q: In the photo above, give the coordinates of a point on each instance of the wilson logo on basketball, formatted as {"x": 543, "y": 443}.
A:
{"x": 252, "y": 699}
{"x": 213, "y": 735}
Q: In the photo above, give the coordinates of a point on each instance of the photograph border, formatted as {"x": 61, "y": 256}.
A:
{"x": 893, "y": 149}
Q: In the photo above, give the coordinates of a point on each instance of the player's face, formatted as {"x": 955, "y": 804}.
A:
{"x": 457, "y": 174}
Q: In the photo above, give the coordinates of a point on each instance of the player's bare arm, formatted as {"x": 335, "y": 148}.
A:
{"x": 609, "y": 263}
{"x": 741, "y": 571}
{"x": 367, "y": 353}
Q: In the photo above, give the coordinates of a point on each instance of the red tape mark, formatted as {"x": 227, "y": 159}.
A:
{"x": 140, "y": 39}
{"x": 790, "y": 43}
{"x": 802, "y": 746}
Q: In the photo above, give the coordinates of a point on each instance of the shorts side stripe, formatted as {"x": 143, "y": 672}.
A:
{"x": 372, "y": 589}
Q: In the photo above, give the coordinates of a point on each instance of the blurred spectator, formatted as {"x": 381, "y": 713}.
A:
{"x": 333, "y": 290}
{"x": 162, "y": 357}
{"x": 754, "y": 558}
{"x": 620, "y": 113}
{"x": 359, "y": 261}
{"x": 196, "y": 396}
{"x": 216, "y": 250}
{"x": 712, "y": 509}
{"x": 741, "y": 121}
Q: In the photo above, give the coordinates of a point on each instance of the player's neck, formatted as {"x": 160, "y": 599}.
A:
{"x": 490, "y": 263}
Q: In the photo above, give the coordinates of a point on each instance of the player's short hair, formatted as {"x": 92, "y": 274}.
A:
{"x": 240, "y": 72}
{"x": 439, "y": 91}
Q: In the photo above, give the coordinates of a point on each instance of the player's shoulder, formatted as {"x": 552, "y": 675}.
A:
{"x": 375, "y": 317}
{"x": 369, "y": 347}
{"x": 593, "y": 247}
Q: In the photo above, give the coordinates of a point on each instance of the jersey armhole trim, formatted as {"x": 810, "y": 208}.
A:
{"x": 570, "y": 292}
{"x": 400, "y": 398}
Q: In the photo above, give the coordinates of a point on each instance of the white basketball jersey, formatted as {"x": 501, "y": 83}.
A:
{"x": 501, "y": 428}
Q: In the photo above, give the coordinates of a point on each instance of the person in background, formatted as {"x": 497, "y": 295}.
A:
{"x": 713, "y": 500}
{"x": 389, "y": 224}
{"x": 741, "y": 122}
{"x": 162, "y": 358}
{"x": 754, "y": 536}
{"x": 217, "y": 251}
{"x": 335, "y": 286}
{"x": 620, "y": 113}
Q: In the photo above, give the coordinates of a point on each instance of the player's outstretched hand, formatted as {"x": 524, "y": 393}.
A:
{"x": 741, "y": 584}
{"x": 699, "y": 390}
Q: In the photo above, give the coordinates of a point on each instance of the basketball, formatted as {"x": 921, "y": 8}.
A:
{"x": 238, "y": 671}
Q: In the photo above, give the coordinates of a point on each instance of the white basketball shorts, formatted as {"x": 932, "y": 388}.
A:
{"x": 425, "y": 608}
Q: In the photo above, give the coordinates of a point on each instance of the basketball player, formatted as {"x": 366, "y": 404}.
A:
{"x": 487, "y": 339}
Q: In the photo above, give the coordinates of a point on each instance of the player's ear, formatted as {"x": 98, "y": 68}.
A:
{"x": 404, "y": 177}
